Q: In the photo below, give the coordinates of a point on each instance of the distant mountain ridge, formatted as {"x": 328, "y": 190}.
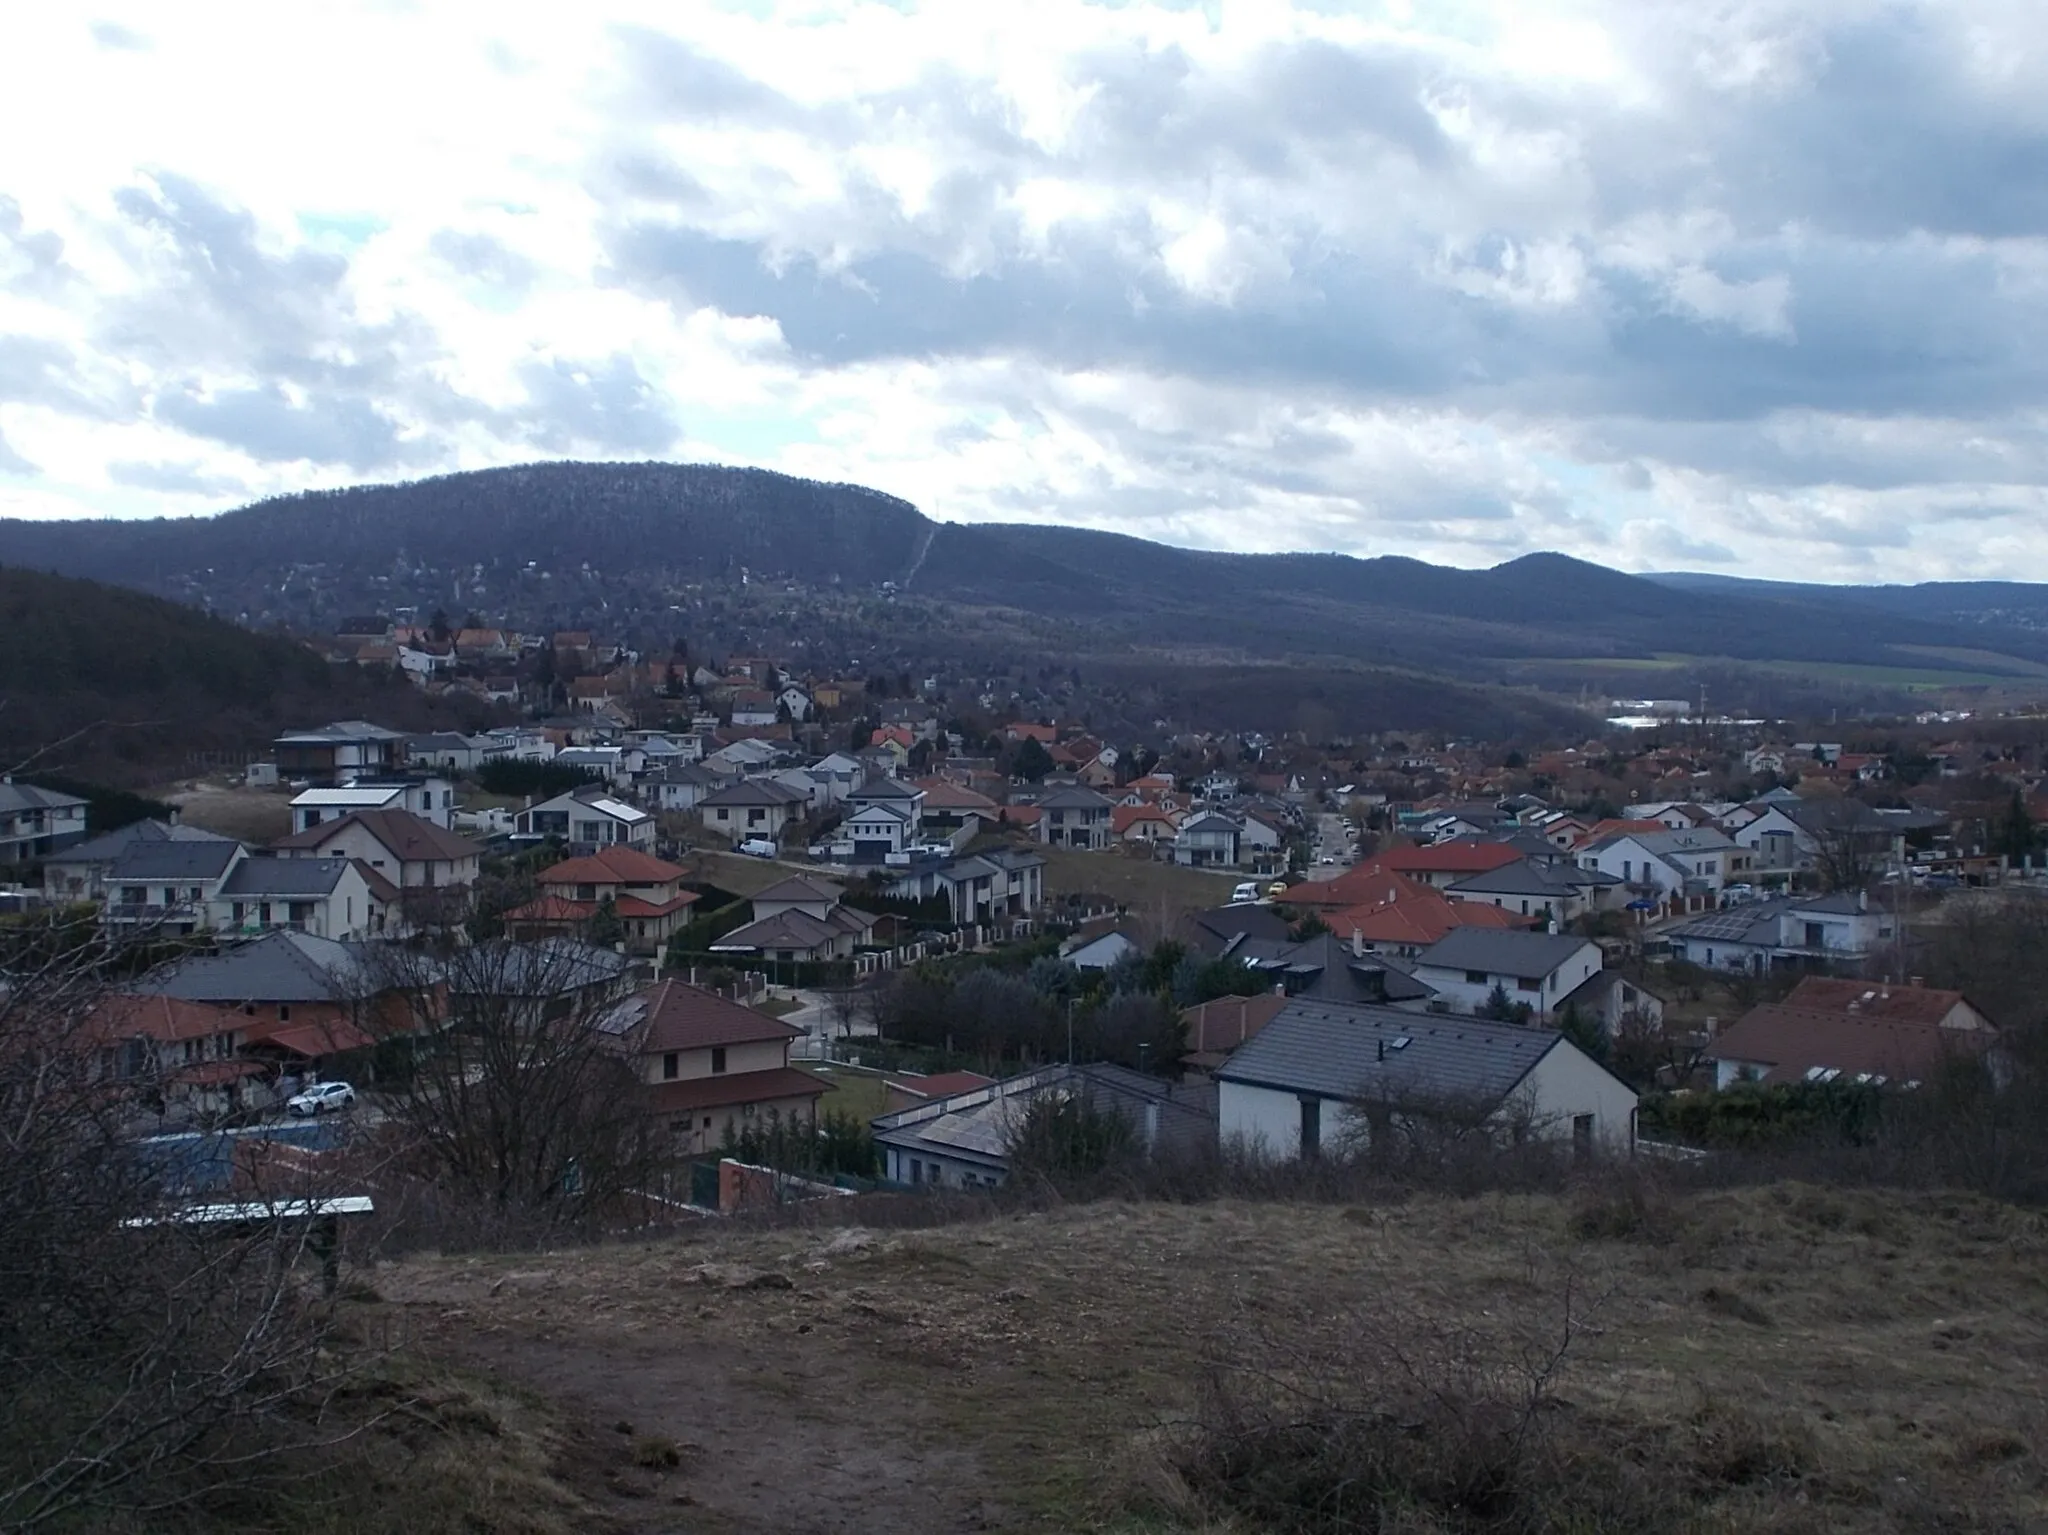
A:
{"x": 705, "y": 522}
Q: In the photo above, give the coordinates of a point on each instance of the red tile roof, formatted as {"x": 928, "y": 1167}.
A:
{"x": 684, "y": 1017}
{"x": 773, "y": 1086}
{"x": 1216, "y": 1028}
{"x": 1792, "y": 1041}
{"x": 615, "y": 864}
{"x": 940, "y": 1084}
{"x": 1874, "y": 999}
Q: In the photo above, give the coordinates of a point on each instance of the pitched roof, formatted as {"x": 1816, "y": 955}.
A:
{"x": 169, "y": 1020}
{"x": 1501, "y": 952}
{"x": 111, "y": 844}
{"x": 785, "y": 930}
{"x": 673, "y": 1015}
{"x": 1074, "y": 797}
{"x": 1460, "y": 857}
{"x": 1551, "y": 881}
{"x": 754, "y": 791}
{"x": 289, "y": 877}
{"x": 281, "y": 966}
{"x": 1872, "y": 999}
{"x": 1381, "y": 1055}
{"x": 27, "y": 796}
{"x": 173, "y": 860}
{"x": 938, "y": 1084}
{"x": 1216, "y": 1028}
{"x": 1365, "y": 884}
{"x": 613, "y": 864}
{"x": 943, "y": 794}
{"x": 408, "y": 837}
{"x": 799, "y": 887}
{"x": 769, "y": 1086}
{"x": 1417, "y": 921}
{"x": 1795, "y": 1042}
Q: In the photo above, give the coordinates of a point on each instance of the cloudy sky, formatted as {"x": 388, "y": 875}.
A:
{"x": 1746, "y": 285}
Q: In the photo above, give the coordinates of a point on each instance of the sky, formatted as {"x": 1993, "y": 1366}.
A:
{"x": 1755, "y": 286}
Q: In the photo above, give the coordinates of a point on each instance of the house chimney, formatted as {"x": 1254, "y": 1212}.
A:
{"x": 1383, "y": 1049}
{"x": 1357, "y": 943}
{"x": 1710, "y": 1026}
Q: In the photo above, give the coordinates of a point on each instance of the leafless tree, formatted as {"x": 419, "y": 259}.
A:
{"x": 150, "y": 1356}
{"x": 523, "y": 1108}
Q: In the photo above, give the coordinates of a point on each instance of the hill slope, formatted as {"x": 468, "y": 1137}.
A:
{"x": 149, "y": 682}
{"x": 625, "y": 536}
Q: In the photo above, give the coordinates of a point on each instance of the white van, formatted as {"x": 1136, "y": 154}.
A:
{"x": 1245, "y": 893}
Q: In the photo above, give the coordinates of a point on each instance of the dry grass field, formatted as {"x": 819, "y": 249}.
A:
{"x": 1146, "y": 887}
{"x": 258, "y": 816}
{"x": 1786, "y": 1359}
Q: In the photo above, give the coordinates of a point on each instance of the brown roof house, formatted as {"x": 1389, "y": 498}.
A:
{"x": 799, "y": 920}
{"x": 646, "y": 894}
{"x": 1217, "y": 1028}
{"x": 712, "y": 1066}
{"x": 1861, "y": 1031}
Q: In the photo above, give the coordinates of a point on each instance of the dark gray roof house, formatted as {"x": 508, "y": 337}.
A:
{"x": 1500, "y": 951}
{"x": 281, "y": 966}
{"x": 160, "y": 861}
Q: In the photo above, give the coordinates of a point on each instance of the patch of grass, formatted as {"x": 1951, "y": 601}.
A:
{"x": 1146, "y": 887}
{"x": 860, "y": 1093}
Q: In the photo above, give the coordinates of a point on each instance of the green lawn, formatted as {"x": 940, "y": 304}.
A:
{"x": 855, "y": 1090}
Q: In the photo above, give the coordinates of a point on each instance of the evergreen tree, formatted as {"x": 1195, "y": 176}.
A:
{"x": 2015, "y": 836}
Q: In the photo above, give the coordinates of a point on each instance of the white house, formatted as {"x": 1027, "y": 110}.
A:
{"x": 408, "y": 850}
{"x": 1468, "y": 964}
{"x": 167, "y": 885}
{"x": 431, "y": 799}
{"x": 1843, "y": 928}
{"x": 589, "y": 818}
{"x": 753, "y": 807}
{"x": 877, "y": 829}
{"x": 1327, "y": 1074}
{"x": 35, "y": 823}
{"x": 327, "y": 897}
{"x": 1544, "y": 890}
{"x": 1670, "y": 863}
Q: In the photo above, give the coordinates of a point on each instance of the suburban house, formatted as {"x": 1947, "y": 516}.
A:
{"x": 169, "y": 886}
{"x": 906, "y": 798}
{"x": 588, "y": 818}
{"x": 1465, "y": 967}
{"x": 678, "y": 788}
{"x": 799, "y": 921}
{"x": 1446, "y": 863}
{"x": 836, "y": 776}
{"x": 1322, "y": 1074}
{"x": 1543, "y": 890}
{"x": 1669, "y": 865}
{"x": 1208, "y": 839}
{"x": 877, "y": 830}
{"x": 409, "y": 851}
{"x": 327, "y": 897}
{"x": 963, "y": 1140}
{"x": 1855, "y": 1031}
{"x": 712, "y": 1068}
{"x": 1075, "y": 817}
{"x": 1330, "y": 968}
{"x": 1146, "y": 823}
{"x": 949, "y": 807}
{"x": 1100, "y": 950}
{"x": 1843, "y": 928}
{"x": 906, "y": 1090}
{"x": 334, "y": 753}
{"x": 1616, "y": 1003}
{"x": 35, "y": 822}
{"x": 431, "y": 799}
{"x": 1786, "y": 834}
{"x": 753, "y": 807}
{"x": 79, "y": 872}
{"x": 999, "y": 884}
{"x": 451, "y": 751}
{"x": 645, "y": 893}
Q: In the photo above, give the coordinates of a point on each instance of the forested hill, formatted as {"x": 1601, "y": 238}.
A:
{"x": 144, "y": 683}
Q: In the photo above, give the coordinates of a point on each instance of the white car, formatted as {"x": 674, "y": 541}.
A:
{"x": 320, "y": 1097}
{"x": 759, "y": 847}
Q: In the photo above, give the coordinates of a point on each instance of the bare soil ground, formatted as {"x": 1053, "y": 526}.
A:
{"x": 1803, "y": 1359}
{"x": 254, "y": 815}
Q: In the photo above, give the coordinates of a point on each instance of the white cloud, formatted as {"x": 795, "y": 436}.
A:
{"x": 1742, "y": 285}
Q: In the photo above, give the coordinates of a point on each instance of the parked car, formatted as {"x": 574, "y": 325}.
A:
{"x": 320, "y": 1097}
{"x": 759, "y": 847}
{"x": 1735, "y": 895}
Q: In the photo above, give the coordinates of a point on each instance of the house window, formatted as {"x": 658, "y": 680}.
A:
{"x": 1475, "y": 977}
{"x": 1528, "y": 983}
{"x": 916, "y": 1170}
{"x": 670, "y": 1067}
{"x": 718, "y": 1065}
{"x": 707, "y": 1121}
{"x": 1311, "y": 1127}
{"x": 284, "y": 1012}
{"x": 1816, "y": 936}
{"x": 1582, "y": 1134}
{"x": 746, "y": 1111}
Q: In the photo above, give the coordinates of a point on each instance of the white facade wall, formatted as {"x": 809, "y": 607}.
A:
{"x": 1266, "y": 1121}
{"x": 759, "y": 1055}
{"x": 1468, "y": 996}
{"x": 1568, "y": 1083}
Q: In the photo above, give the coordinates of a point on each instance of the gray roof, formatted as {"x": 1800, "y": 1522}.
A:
{"x": 26, "y": 796}
{"x": 1500, "y": 951}
{"x": 284, "y": 878}
{"x": 281, "y": 966}
{"x": 174, "y": 860}
{"x": 979, "y": 1124}
{"x": 1014, "y": 859}
{"x": 754, "y": 791}
{"x": 1325, "y": 967}
{"x": 1383, "y": 1055}
{"x": 1756, "y": 922}
{"x": 892, "y": 812}
{"x": 784, "y": 930}
{"x": 1550, "y": 880}
{"x": 552, "y": 966}
{"x": 885, "y": 789}
{"x": 110, "y": 845}
{"x": 341, "y": 730}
